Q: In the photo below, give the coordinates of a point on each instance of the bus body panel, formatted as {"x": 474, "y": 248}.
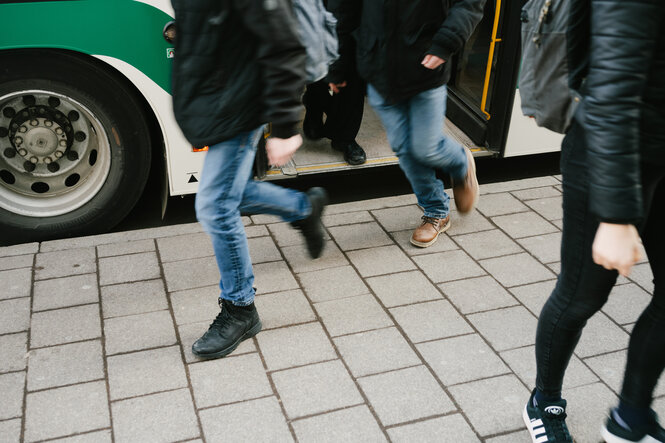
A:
{"x": 526, "y": 138}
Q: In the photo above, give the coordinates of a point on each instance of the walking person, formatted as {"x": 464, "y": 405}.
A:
{"x": 613, "y": 166}
{"x": 403, "y": 50}
{"x": 343, "y": 104}
{"x": 239, "y": 64}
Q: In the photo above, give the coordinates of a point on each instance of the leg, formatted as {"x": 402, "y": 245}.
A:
{"x": 316, "y": 101}
{"x": 344, "y": 117}
{"x": 428, "y": 189}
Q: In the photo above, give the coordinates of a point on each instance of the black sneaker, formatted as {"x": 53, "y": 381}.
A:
{"x": 613, "y": 432}
{"x": 232, "y": 325}
{"x": 547, "y": 421}
{"x": 354, "y": 154}
{"x": 311, "y": 227}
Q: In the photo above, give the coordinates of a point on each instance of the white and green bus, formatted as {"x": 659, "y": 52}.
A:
{"x": 85, "y": 111}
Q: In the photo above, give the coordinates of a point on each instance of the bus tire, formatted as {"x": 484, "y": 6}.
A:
{"x": 74, "y": 147}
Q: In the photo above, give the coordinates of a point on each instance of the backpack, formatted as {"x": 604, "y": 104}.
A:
{"x": 543, "y": 84}
{"x": 318, "y": 34}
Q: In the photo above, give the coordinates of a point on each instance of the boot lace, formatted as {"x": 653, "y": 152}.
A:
{"x": 431, "y": 220}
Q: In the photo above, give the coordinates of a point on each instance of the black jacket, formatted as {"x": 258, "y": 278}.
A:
{"x": 393, "y": 36}
{"x": 618, "y": 47}
{"x": 238, "y": 64}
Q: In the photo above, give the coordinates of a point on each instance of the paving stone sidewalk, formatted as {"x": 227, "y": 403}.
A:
{"x": 375, "y": 341}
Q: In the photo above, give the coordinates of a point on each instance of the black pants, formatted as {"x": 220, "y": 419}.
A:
{"x": 583, "y": 287}
{"x": 344, "y": 111}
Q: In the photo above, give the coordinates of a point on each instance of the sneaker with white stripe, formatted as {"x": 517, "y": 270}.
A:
{"x": 546, "y": 422}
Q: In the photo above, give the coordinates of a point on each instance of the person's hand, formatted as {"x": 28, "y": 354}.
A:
{"x": 432, "y": 61}
{"x": 335, "y": 87}
{"x": 617, "y": 247}
{"x": 280, "y": 150}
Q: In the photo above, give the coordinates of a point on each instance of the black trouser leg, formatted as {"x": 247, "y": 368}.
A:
{"x": 345, "y": 112}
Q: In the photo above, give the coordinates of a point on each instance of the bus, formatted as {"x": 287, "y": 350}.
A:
{"x": 85, "y": 112}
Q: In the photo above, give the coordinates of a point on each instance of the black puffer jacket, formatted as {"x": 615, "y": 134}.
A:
{"x": 393, "y": 36}
{"x": 238, "y": 64}
{"x": 623, "y": 111}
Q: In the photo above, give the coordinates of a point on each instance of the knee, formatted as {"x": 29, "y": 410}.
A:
{"x": 214, "y": 215}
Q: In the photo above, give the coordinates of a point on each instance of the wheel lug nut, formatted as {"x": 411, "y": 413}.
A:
{"x": 42, "y": 111}
{"x": 18, "y": 141}
{"x": 63, "y": 143}
{"x": 48, "y": 123}
{"x": 23, "y": 129}
{"x": 58, "y": 154}
{"x": 72, "y": 156}
{"x": 23, "y": 152}
{"x": 58, "y": 131}
{"x": 34, "y": 160}
{"x": 47, "y": 160}
{"x": 34, "y": 122}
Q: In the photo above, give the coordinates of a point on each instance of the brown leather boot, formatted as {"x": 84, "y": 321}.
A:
{"x": 467, "y": 192}
{"x": 428, "y": 231}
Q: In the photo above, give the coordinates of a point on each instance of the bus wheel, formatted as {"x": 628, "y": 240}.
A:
{"x": 74, "y": 147}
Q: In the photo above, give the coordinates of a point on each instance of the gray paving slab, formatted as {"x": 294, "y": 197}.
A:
{"x": 13, "y": 348}
{"x": 524, "y": 225}
{"x": 312, "y": 389}
{"x": 537, "y": 193}
{"x": 184, "y": 247}
{"x": 65, "y": 291}
{"x": 191, "y": 332}
{"x": 133, "y": 298}
{"x": 128, "y": 247}
{"x": 558, "y": 224}
{"x": 449, "y": 429}
{"x": 66, "y": 411}
{"x": 283, "y": 309}
{"x": 273, "y": 277}
{"x": 188, "y": 274}
{"x": 10, "y": 431}
{"x": 14, "y": 315}
{"x": 403, "y": 288}
{"x": 601, "y": 335}
{"x": 128, "y": 268}
{"x": 195, "y": 305}
{"x": 64, "y": 365}
{"x": 405, "y": 395}
{"x": 16, "y": 262}
{"x": 64, "y": 263}
{"x": 347, "y": 218}
{"x": 67, "y": 325}
{"x": 285, "y": 235}
{"x": 513, "y": 437}
{"x": 506, "y": 403}
{"x": 461, "y": 359}
{"x": 300, "y": 261}
{"x": 264, "y": 219}
{"x": 373, "y": 204}
{"x": 263, "y": 249}
{"x": 21, "y": 249}
{"x": 430, "y": 321}
{"x": 12, "y": 386}
{"x": 139, "y": 331}
{"x": 380, "y": 261}
{"x": 256, "y": 231}
{"x": 523, "y": 363}
{"x": 529, "y": 270}
{"x": 376, "y": 351}
{"x": 611, "y": 368}
{"x": 399, "y": 219}
{"x": 332, "y": 284}
{"x": 506, "y": 328}
{"x": 15, "y": 283}
{"x": 295, "y": 346}
{"x": 448, "y": 266}
{"x": 237, "y": 423}
{"x": 626, "y": 303}
{"x": 90, "y": 437}
{"x": 643, "y": 276}
{"x": 487, "y": 244}
{"x": 354, "y": 314}
{"x": 351, "y": 424}
{"x": 477, "y": 294}
{"x": 167, "y": 416}
{"x": 403, "y": 239}
{"x": 360, "y": 236}
{"x": 545, "y": 248}
{"x": 550, "y": 208}
{"x": 535, "y": 295}
{"x": 145, "y": 372}
{"x": 474, "y": 221}
{"x": 587, "y": 409}
{"x": 500, "y": 204}
{"x": 517, "y": 185}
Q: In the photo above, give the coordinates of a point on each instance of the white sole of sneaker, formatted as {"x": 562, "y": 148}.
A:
{"x": 608, "y": 437}
{"x": 421, "y": 244}
{"x": 535, "y": 428}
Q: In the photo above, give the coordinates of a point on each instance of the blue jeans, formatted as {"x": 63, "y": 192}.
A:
{"x": 226, "y": 189}
{"x": 415, "y": 132}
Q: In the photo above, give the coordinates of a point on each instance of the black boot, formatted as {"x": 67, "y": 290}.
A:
{"x": 311, "y": 227}
{"x": 354, "y": 154}
{"x": 232, "y": 325}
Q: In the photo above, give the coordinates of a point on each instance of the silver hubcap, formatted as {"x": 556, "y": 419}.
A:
{"x": 54, "y": 154}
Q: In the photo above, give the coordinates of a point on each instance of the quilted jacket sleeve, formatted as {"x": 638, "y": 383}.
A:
{"x": 282, "y": 58}
{"x": 623, "y": 36}
{"x": 463, "y": 17}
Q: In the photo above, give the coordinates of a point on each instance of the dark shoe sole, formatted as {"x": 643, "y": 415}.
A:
{"x": 226, "y": 351}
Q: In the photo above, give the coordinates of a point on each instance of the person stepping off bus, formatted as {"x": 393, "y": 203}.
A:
{"x": 239, "y": 65}
{"x": 403, "y": 51}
